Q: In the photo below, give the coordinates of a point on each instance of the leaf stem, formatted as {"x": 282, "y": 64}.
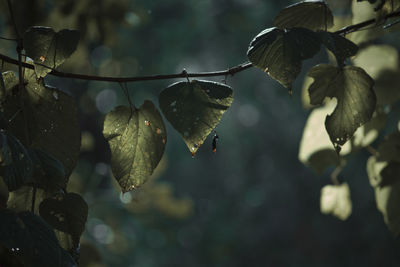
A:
{"x": 335, "y": 174}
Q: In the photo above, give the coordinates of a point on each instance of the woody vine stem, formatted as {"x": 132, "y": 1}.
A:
{"x": 230, "y": 71}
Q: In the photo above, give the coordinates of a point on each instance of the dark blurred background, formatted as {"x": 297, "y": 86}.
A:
{"x": 250, "y": 204}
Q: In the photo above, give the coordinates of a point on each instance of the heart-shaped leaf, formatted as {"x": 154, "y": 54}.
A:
{"x": 32, "y": 240}
{"x": 313, "y": 15}
{"x": 195, "y": 108}
{"x": 19, "y": 170}
{"x": 137, "y": 141}
{"x": 49, "y": 49}
{"x": 280, "y": 52}
{"x": 51, "y": 116}
{"x": 341, "y": 47}
{"x": 66, "y": 213}
{"x": 356, "y": 100}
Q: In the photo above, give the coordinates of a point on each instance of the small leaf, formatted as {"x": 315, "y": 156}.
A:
{"x": 66, "y": 213}
{"x": 48, "y": 171}
{"x": 313, "y": 15}
{"x": 195, "y": 108}
{"x": 315, "y": 146}
{"x": 49, "y": 49}
{"x": 19, "y": 170}
{"x": 52, "y": 122}
{"x": 356, "y": 100}
{"x": 280, "y": 52}
{"x": 32, "y": 240}
{"x": 335, "y": 200}
{"x": 341, "y": 47}
{"x": 137, "y": 141}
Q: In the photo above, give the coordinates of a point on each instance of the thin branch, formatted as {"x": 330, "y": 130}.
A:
{"x": 183, "y": 74}
{"x": 20, "y": 71}
{"x": 230, "y": 71}
{"x": 358, "y": 26}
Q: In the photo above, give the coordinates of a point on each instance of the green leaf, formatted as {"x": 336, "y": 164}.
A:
{"x": 313, "y": 15}
{"x": 335, "y": 200}
{"x": 315, "y": 146}
{"x": 195, "y": 108}
{"x": 66, "y": 213}
{"x": 280, "y": 52}
{"x": 48, "y": 171}
{"x": 356, "y": 100}
{"x": 19, "y": 170}
{"x": 51, "y": 119}
{"x": 341, "y": 47}
{"x": 49, "y": 49}
{"x": 32, "y": 240}
{"x": 137, "y": 141}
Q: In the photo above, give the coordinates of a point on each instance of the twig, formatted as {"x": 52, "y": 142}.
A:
{"x": 20, "y": 71}
{"x": 230, "y": 71}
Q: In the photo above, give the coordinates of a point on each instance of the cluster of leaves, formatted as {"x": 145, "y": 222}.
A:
{"x": 40, "y": 142}
{"x": 363, "y": 94}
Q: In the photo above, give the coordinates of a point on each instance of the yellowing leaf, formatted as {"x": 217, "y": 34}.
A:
{"x": 335, "y": 200}
{"x": 137, "y": 142}
{"x": 313, "y": 15}
{"x": 356, "y": 100}
{"x": 280, "y": 52}
{"x": 195, "y": 108}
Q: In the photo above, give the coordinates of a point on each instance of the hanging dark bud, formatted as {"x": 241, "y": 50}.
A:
{"x": 214, "y": 142}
